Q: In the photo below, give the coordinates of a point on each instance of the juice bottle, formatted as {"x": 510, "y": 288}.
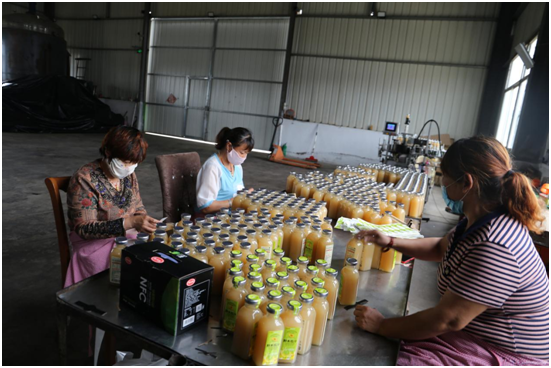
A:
{"x": 317, "y": 282}
{"x": 115, "y": 260}
{"x": 290, "y": 181}
{"x": 269, "y": 335}
{"x": 288, "y": 293}
{"x": 348, "y": 288}
{"x": 205, "y": 228}
{"x": 387, "y": 219}
{"x": 191, "y": 244}
{"x": 296, "y": 243}
{"x": 326, "y": 225}
{"x": 261, "y": 254}
{"x": 228, "y": 246}
{"x": 225, "y": 229}
{"x": 391, "y": 195}
{"x": 321, "y": 305}
{"x": 415, "y": 205}
{"x": 238, "y": 199}
{"x": 201, "y": 254}
{"x": 269, "y": 269}
{"x": 324, "y": 247}
{"x": 310, "y": 243}
{"x": 245, "y": 249}
{"x": 184, "y": 217}
{"x": 275, "y": 238}
{"x": 332, "y": 287}
{"x": 228, "y": 282}
{"x": 399, "y": 212}
{"x": 321, "y": 264}
{"x": 283, "y": 278}
{"x": 199, "y": 221}
{"x": 300, "y": 288}
{"x": 277, "y": 254}
{"x": 242, "y": 227}
{"x": 249, "y": 222}
{"x": 176, "y": 245}
{"x": 271, "y": 284}
{"x": 176, "y": 238}
{"x": 293, "y": 322}
{"x": 258, "y": 288}
{"x": 366, "y": 259}
{"x": 232, "y": 301}
{"x": 161, "y": 234}
{"x": 292, "y": 271}
{"x": 217, "y": 261}
{"x": 265, "y": 242}
{"x": 391, "y": 206}
{"x": 251, "y": 259}
{"x": 253, "y": 276}
{"x": 376, "y": 260}
{"x": 273, "y": 296}
{"x": 354, "y": 249}
{"x": 388, "y": 260}
{"x": 246, "y": 326}
{"x": 240, "y": 239}
{"x": 234, "y": 255}
{"x": 406, "y": 199}
{"x": 251, "y": 238}
{"x": 308, "y": 314}
{"x": 311, "y": 272}
{"x": 143, "y": 236}
{"x": 234, "y": 233}
{"x": 280, "y": 233}
{"x": 357, "y": 212}
{"x": 283, "y": 264}
{"x": 187, "y": 227}
{"x": 302, "y": 263}
{"x": 209, "y": 244}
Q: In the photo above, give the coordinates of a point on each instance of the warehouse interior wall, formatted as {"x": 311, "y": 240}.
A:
{"x": 347, "y": 68}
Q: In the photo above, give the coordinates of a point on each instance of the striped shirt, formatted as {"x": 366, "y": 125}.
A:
{"x": 495, "y": 263}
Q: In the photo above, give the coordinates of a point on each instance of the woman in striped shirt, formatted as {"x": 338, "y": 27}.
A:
{"x": 494, "y": 308}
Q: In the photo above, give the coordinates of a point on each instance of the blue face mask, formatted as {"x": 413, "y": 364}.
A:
{"x": 455, "y": 206}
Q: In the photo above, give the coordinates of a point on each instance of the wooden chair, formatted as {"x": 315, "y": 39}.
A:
{"x": 54, "y": 185}
{"x": 178, "y": 175}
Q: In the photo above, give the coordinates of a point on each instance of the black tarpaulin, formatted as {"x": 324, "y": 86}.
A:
{"x": 48, "y": 104}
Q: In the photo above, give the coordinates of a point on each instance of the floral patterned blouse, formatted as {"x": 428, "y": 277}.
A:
{"x": 95, "y": 208}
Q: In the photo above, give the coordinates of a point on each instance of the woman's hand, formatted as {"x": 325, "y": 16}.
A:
{"x": 374, "y": 236}
{"x": 141, "y": 223}
{"x": 250, "y": 190}
{"x": 368, "y": 319}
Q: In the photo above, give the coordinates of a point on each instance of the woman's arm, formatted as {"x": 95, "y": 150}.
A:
{"x": 453, "y": 313}
{"x": 82, "y": 203}
{"x": 427, "y": 249}
{"x": 216, "y": 206}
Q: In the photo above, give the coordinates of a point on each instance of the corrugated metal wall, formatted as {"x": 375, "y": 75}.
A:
{"x": 10, "y": 8}
{"x": 426, "y": 59}
{"x": 110, "y": 43}
{"x": 244, "y": 84}
{"x": 528, "y": 24}
{"x": 364, "y": 72}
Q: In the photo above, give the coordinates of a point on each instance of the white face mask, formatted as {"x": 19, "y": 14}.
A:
{"x": 119, "y": 170}
{"x": 234, "y": 158}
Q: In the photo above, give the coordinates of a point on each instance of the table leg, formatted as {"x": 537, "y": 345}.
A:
{"x": 62, "y": 336}
{"x": 109, "y": 352}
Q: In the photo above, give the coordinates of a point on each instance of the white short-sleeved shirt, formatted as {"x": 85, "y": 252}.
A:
{"x": 216, "y": 183}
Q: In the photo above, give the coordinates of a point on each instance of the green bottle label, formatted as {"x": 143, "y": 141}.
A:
{"x": 230, "y": 315}
{"x": 271, "y": 350}
{"x": 289, "y": 345}
{"x": 308, "y": 249}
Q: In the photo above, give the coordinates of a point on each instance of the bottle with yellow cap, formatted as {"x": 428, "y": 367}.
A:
{"x": 232, "y": 301}
{"x": 284, "y": 262}
{"x": 288, "y": 293}
{"x": 274, "y": 296}
{"x": 253, "y": 276}
{"x": 283, "y": 278}
{"x": 269, "y": 269}
{"x": 321, "y": 305}
{"x": 271, "y": 284}
{"x": 332, "y": 286}
{"x": 300, "y": 288}
{"x": 258, "y": 288}
{"x": 269, "y": 335}
{"x": 228, "y": 283}
{"x": 292, "y": 319}
{"x": 246, "y": 326}
{"x": 277, "y": 254}
{"x": 308, "y": 314}
{"x": 302, "y": 263}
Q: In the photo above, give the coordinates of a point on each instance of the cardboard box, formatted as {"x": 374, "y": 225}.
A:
{"x": 165, "y": 285}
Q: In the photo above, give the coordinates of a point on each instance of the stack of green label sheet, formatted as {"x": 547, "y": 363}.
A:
{"x": 395, "y": 230}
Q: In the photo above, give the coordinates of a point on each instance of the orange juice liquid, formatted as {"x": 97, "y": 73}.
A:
{"x": 268, "y": 339}
{"x": 246, "y": 327}
{"x": 348, "y": 290}
{"x": 388, "y": 260}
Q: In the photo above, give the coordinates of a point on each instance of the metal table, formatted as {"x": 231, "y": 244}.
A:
{"x": 344, "y": 344}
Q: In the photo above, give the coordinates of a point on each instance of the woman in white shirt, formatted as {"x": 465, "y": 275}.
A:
{"x": 222, "y": 175}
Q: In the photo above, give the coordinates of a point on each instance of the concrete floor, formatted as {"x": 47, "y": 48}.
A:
{"x": 30, "y": 272}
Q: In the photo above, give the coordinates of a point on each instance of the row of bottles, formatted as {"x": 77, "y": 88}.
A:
{"x": 371, "y": 256}
{"x": 292, "y": 319}
{"x": 358, "y": 197}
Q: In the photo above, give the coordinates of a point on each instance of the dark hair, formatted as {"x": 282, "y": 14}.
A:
{"x": 490, "y": 165}
{"x": 125, "y": 143}
{"x": 236, "y": 136}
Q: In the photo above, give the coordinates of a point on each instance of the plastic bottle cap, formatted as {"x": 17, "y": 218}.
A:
{"x": 201, "y": 249}
{"x": 227, "y": 244}
{"x": 272, "y": 282}
{"x": 219, "y": 250}
{"x": 121, "y": 240}
{"x": 238, "y": 281}
{"x": 253, "y": 275}
{"x": 274, "y": 295}
{"x": 270, "y": 263}
{"x": 252, "y": 258}
{"x": 301, "y": 284}
{"x": 294, "y": 305}
{"x": 282, "y": 275}
{"x": 278, "y": 252}
{"x": 292, "y": 269}
{"x": 236, "y": 253}
{"x": 312, "y": 269}
{"x": 352, "y": 261}
{"x": 316, "y": 281}
{"x": 257, "y": 286}
{"x": 274, "y": 308}
{"x": 302, "y": 260}
{"x": 331, "y": 271}
{"x": 306, "y": 298}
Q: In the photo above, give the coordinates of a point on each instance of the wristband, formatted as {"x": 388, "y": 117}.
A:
{"x": 390, "y": 245}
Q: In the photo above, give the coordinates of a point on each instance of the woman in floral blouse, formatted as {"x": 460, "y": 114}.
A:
{"x": 104, "y": 202}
